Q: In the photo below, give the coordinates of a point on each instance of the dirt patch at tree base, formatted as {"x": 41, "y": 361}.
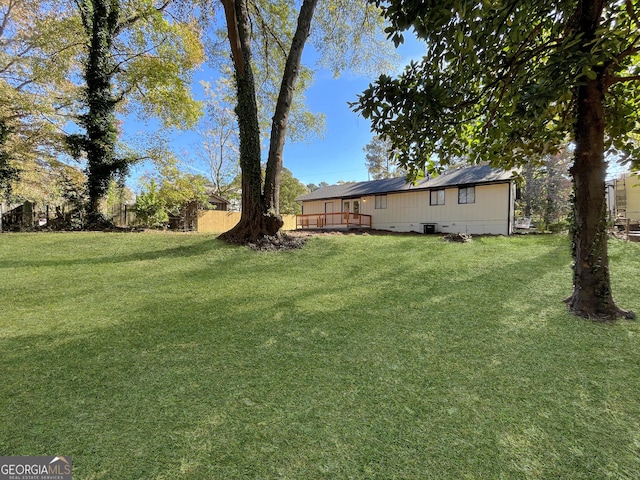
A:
{"x": 281, "y": 241}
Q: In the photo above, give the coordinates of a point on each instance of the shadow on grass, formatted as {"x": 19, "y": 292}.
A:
{"x": 181, "y": 251}
{"x": 354, "y": 369}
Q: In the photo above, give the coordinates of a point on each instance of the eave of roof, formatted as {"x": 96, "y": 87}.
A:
{"x": 475, "y": 175}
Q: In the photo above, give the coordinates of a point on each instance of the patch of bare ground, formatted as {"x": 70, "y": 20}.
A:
{"x": 457, "y": 237}
{"x": 280, "y": 241}
{"x": 351, "y": 231}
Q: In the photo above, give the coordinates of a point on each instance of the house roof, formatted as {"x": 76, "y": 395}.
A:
{"x": 477, "y": 174}
{"x": 214, "y": 197}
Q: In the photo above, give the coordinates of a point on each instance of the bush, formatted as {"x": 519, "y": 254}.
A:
{"x": 559, "y": 226}
{"x": 150, "y": 208}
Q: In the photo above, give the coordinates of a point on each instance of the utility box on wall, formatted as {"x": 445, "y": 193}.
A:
{"x": 429, "y": 228}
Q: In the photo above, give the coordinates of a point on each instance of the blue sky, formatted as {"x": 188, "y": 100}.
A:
{"x": 338, "y": 155}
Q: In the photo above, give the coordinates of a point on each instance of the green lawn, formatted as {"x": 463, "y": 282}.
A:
{"x": 163, "y": 356}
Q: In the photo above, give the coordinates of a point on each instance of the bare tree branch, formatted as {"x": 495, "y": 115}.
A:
{"x": 118, "y": 66}
{"x": 5, "y": 18}
{"x": 133, "y": 19}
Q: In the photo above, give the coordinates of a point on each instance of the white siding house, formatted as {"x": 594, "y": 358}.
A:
{"x": 475, "y": 200}
{"x": 623, "y": 198}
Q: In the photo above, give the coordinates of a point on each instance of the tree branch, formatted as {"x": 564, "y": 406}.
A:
{"x": 612, "y": 79}
{"x": 134, "y": 18}
{"x": 116, "y": 67}
{"x": 84, "y": 15}
{"x": 233, "y": 34}
{"x": 5, "y": 19}
{"x": 631, "y": 11}
{"x": 121, "y": 96}
{"x": 270, "y": 33}
{"x": 632, "y": 49}
{"x": 24, "y": 84}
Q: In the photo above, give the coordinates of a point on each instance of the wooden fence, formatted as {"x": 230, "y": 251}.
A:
{"x": 218, "y": 221}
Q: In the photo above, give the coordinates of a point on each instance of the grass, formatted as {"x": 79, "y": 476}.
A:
{"x": 163, "y": 356}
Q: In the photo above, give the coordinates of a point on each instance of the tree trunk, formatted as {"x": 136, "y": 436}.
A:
{"x": 592, "y": 297}
{"x": 100, "y": 120}
{"x": 255, "y": 220}
{"x": 260, "y": 211}
{"x": 283, "y": 105}
{"x": 528, "y": 189}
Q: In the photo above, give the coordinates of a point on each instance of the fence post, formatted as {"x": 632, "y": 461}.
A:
{"x": 627, "y": 229}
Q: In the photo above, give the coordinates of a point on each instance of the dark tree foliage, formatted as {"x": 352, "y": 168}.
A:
{"x": 505, "y": 81}
{"x": 100, "y": 19}
{"x": 8, "y": 173}
{"x": 135, "y": 52}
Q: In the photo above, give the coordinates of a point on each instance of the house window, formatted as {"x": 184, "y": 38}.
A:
{"x": 436, "y": 197}
{"x": 381, "y": 201}
{"x": 467, "y": 195}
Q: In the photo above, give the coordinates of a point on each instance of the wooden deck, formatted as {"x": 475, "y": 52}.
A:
{"x": 328, "y": 220}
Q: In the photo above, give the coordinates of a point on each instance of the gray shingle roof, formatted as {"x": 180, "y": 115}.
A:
{"x": 477, "y": 174}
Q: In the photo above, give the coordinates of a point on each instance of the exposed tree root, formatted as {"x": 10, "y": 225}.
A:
{"x": 262, "y": 235}
{"x": 268, "y": 243}
{"x": 609, "y": 314}
{"x": 253, "y": 229}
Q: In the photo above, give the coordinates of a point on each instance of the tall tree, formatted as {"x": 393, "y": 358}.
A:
{"x": 39, "y": 46}
{"x": 260, "y": 214}
{"x": 379, "y": 159}
{"x": 219, "y": 148}
{"x": 503, "y": 81}
{"x": 546, "y": 191}
{"x": 133, "y": 52}
{"x": 285, "y": 30}
{"x": 290, "y": 189}
{"x": 8, "y": 173}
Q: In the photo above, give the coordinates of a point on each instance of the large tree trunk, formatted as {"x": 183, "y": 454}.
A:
{"x": 255, "y": 220}
{"x": 100, "y": 120}
{"x": 592, "y": 297}
{"x": 260, "y": 211}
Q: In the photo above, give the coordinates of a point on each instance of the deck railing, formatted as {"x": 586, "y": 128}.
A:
{"x": 338, "y": 219}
